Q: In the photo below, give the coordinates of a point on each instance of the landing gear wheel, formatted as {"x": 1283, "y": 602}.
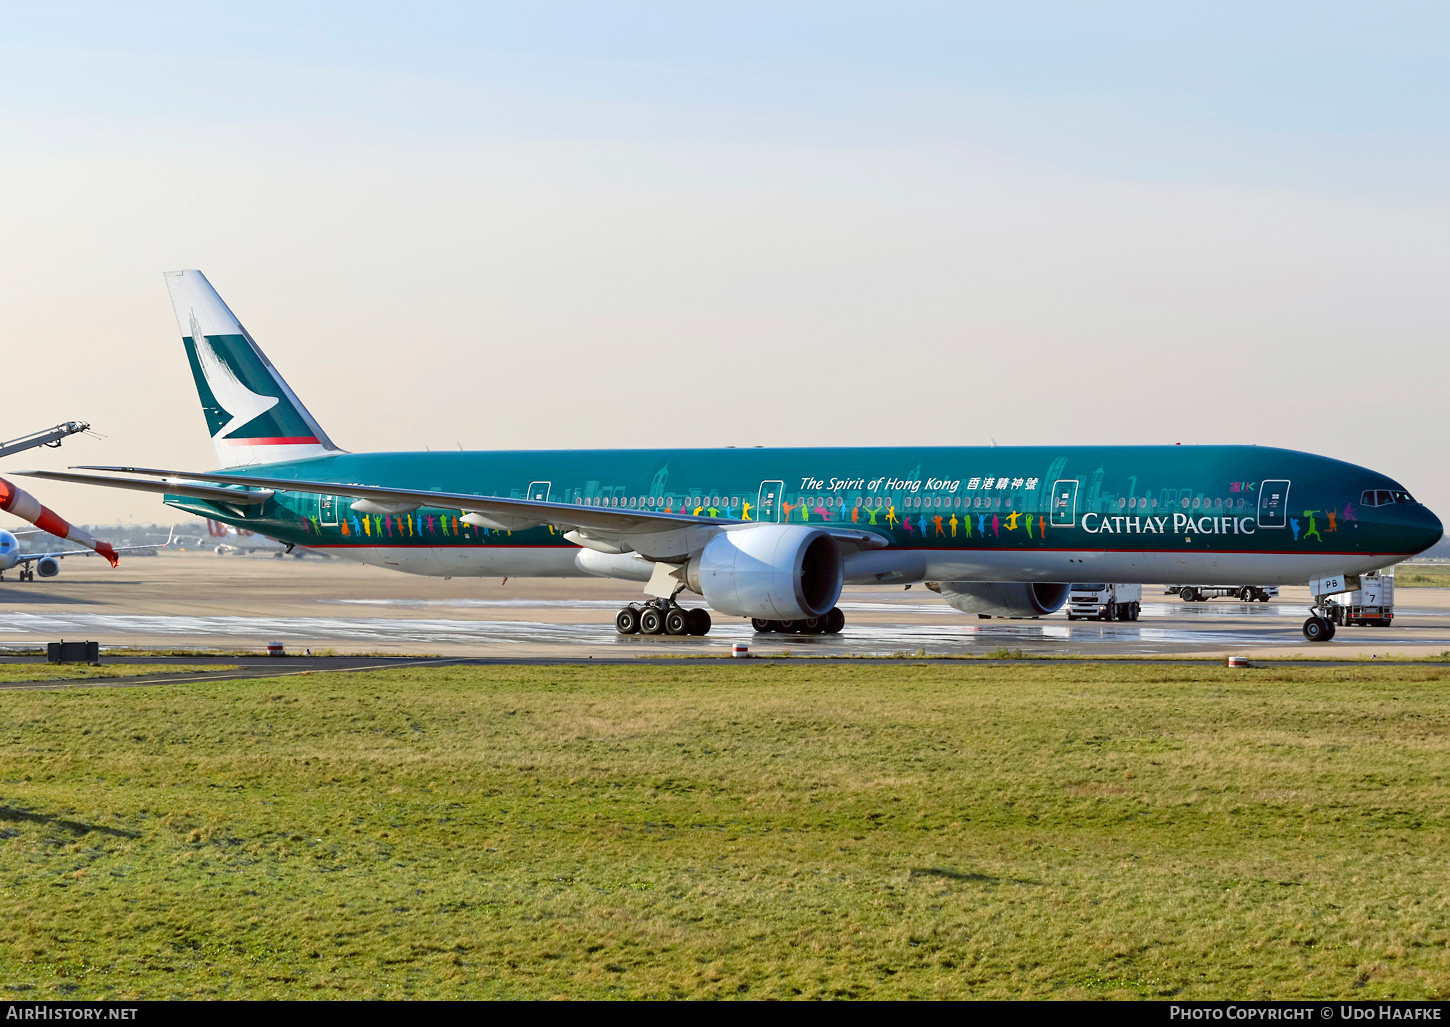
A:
{"x": 779, "y": 626}
{"x": 697, "y": 621}
{"x": 651, "y": 621}
{"x": 811, "y": 626}
{"x": 1317, "y": 629}
{"x": 762, "y": 625}
{"x": 626, "y": 621}
{"x": 1137, "y": 609}
{"x": 1189, "y": 595}
{"x": 835, "y": 621}
{"x": 676, "y": 621}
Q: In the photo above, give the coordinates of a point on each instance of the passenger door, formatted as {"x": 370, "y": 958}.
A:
{"x": 539, "y": 490}
{"x": 1064, "y": 503}
{"x": 767, "y": 507}
{"x": 1273, "y": 503}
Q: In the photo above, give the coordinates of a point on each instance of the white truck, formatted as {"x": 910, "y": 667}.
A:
{"x": 1370, "y": 605}
{"x": 1103, "y": 601}
{"x": 1201, "y": 593}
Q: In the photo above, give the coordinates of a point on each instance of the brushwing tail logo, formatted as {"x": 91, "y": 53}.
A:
{"x": 231, "y": 395}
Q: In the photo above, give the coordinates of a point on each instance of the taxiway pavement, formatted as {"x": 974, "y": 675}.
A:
{"x": 200, "y": 600}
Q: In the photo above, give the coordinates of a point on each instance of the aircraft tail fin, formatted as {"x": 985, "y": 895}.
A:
{"x": 253, "y": 416}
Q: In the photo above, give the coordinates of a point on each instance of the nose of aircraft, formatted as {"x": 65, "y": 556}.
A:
{"x": 1426, "y": 529}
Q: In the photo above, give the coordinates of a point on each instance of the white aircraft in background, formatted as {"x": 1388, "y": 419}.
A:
{"x": 228, "y": 539}
{"x": 47, "y": 565}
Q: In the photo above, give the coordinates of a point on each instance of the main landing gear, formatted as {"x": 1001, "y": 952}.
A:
{"x": 830, "y": 624}
{"x": 662, "y": 617}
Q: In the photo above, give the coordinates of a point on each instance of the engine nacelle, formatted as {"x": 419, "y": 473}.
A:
{"x": 1002, "y": 598}
{"x": 772, "y": 571}
{"x": 48, "y": 567}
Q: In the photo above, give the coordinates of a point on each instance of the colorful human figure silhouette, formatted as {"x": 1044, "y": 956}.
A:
{"x": 714, "y": 511}
{"x": 921, "y": 524}
{"x": 855, "y": 515}
{"x": 823, "y": 513}
{"x": 967, "y": 525}
{"x": 1012, "y": 520}
{"x": 316, "y": 525}
{"x": 996, "y": 526}
{"x": 1349, "y": 512}
{"x": 981, "y": 524}
{"x": 871, "y": 514}
{"x": 787, "y": 507}
{"x": 940, "y": 531}
{"x": 388, "y": 520}
{"x": 953, "y": 523}
{"x": 1029, "y": 525}
{"x": 906, "y": 523}
{"x": 1294, "y": 526}
{"x": 1331, "y": 514}
{"x": 891, "y": 517}
{"x": 1313, "y": 528}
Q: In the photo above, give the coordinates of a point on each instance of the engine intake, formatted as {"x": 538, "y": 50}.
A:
{"x": 1002, "y": 598}
{"x": 48, "y": 567}
{"x": 772, "y": 571}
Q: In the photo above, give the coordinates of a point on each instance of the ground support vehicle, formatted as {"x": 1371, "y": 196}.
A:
{"x": 1370, "y": 605}
{"x": 1245, "y": 593}
{"x": 1104, "y": 601}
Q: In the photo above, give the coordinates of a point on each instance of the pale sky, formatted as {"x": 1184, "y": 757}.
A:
{"x": 563, "y": 225}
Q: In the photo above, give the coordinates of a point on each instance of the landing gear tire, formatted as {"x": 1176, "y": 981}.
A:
{"x": 835, "y": 621}
{"x": 762, "y": 625}
{"x": 1317, "y": 629}
{"x": 1189, "y": 595}
{"x": 651, "y": 621}
{"x": 626, "y": 621}
{"x": 1137, "y": 609}
{"x": 811, "y": 626}
{"x": 697, "y": 621}
{"x": 676, "y": 622}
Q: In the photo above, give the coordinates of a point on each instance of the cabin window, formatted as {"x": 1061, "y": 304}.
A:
{"x": 1122, "y": 502}
{"x": 1197, "y": 502}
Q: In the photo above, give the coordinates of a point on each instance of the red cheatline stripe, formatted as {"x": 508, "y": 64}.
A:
{"x": 296, "y": 440}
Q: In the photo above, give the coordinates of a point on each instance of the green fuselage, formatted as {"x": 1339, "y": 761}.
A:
{"x": 1179, "y": 513}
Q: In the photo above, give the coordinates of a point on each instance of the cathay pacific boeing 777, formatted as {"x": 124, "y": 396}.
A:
{"x": 774, "y": 534}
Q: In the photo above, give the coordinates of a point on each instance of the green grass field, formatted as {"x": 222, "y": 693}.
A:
{"x": 950, "y": 830}
{"x": 1423, "y": 575}
{"x": 20, "y": 672}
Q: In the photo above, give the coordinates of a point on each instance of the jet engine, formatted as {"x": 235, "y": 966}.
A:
{"x": 771, "y": 571}
{"x": 1002, "y": 598}
{"x": 48, "y": 567}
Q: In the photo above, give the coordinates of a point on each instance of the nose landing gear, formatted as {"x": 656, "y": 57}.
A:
{"x": 662, "y": 617}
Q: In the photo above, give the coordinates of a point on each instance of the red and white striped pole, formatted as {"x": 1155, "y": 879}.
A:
{"x": 25, "y": 506}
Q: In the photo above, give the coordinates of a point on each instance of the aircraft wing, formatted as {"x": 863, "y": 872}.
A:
{"x": 62, "y": 553}
{"x": 505, "y": 514}
{"x": 192, "y": 490}
{"x": 496, "y": 511}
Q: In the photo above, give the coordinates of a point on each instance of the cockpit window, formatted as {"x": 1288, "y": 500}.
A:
{"x": 1384, "y": 497}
